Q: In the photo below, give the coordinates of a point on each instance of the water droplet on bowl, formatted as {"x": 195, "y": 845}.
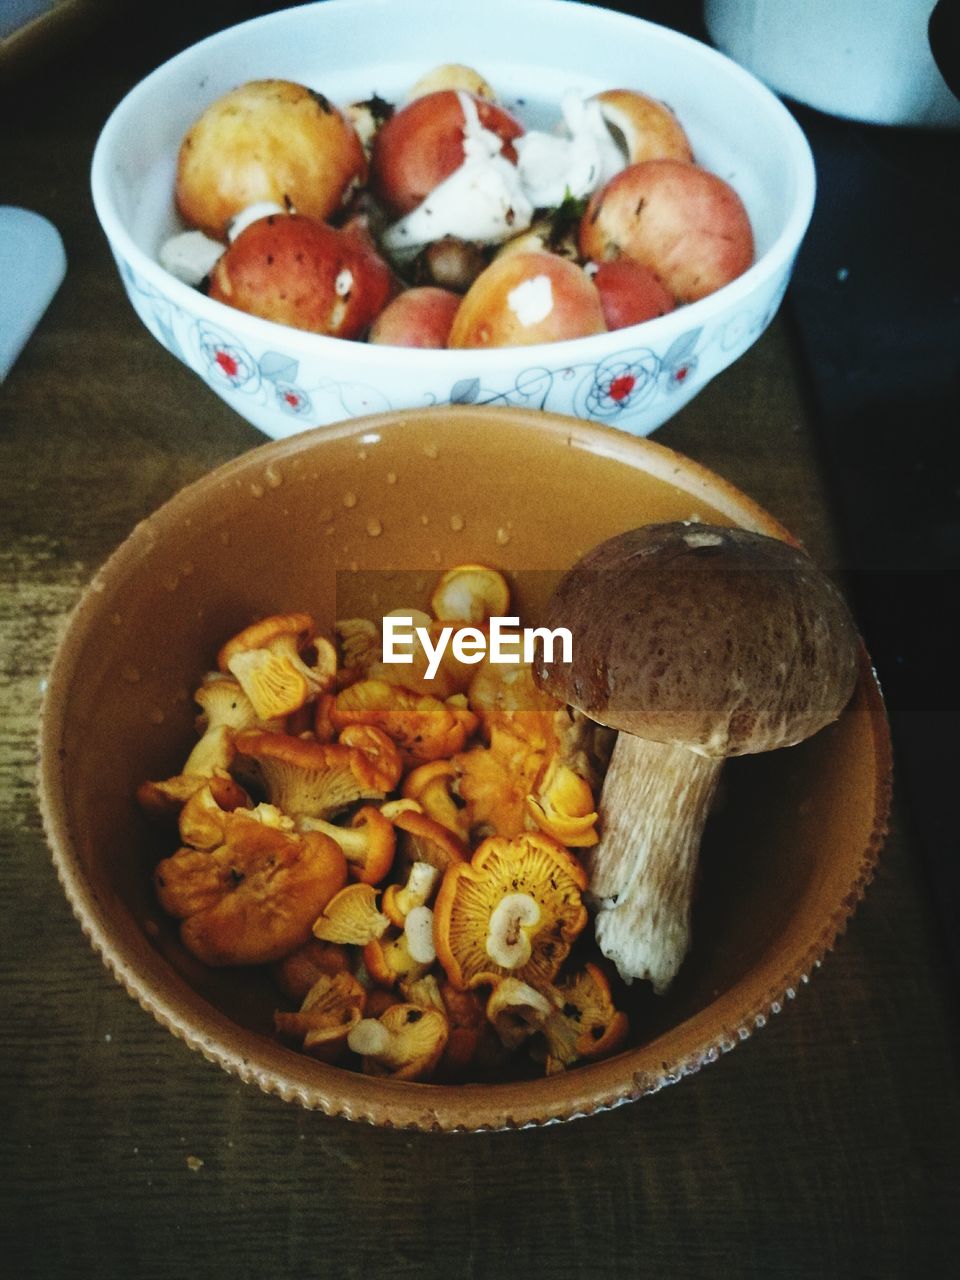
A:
{"x": 273, "y": 476}
{"x": 503, "y": 537}
{"x": 170, "y": 582}
{"x": 256, "y": 490}
{"x": 225, "y": 537}
{"x": 374, "y": 527}
{"x": 391, "y": 477}
{"x": 424, "y": 519}
{"x": 431, "y": 451}
{"x": 325, "y": 516}
{"x": 349, "y": 499}
{"x": 457, "y": 523}
{"x": 157, "y": 716}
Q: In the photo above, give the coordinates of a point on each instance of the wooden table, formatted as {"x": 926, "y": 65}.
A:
{"x": 825, "y": 1146}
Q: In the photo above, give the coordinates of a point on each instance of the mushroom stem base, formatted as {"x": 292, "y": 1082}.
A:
{"x": 654, "y": 804}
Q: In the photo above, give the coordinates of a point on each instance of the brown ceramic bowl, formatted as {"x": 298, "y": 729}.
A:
{"x": 784, "y": 862}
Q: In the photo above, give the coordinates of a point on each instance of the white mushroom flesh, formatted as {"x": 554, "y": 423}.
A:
{"x": 418, "y": 929}
{"x": 508, "y": 935}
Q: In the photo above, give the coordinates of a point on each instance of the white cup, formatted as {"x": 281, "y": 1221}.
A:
{"x": 861, "y": 59}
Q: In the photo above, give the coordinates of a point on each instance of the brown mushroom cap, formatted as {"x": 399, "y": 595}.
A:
{"x": 722, "y": 640}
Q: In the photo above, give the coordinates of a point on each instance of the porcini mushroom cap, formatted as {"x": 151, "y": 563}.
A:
{"x": 718, "y": 639}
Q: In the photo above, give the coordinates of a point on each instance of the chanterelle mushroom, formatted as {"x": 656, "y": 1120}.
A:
{"x": 253, "y": 899}
{"x": 513, "y": 911}
{"x": 266, "y": 660}
{"x": 697, "y": 643}
{"x": 307, "y": 779}
{"x": 406, "y": 1043}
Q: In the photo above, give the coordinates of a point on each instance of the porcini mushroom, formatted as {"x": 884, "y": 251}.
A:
{"x": 696, "y": 642}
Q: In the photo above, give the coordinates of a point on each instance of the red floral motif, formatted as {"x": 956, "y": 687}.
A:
{"x": 227, "y": 363}
{"x": 621, "y": 387}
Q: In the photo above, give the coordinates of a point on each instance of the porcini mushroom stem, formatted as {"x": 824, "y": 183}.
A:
{"x": 653, "y": 807}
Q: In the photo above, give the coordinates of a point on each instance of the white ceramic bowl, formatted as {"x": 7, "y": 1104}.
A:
{"x": 284, "y": 380}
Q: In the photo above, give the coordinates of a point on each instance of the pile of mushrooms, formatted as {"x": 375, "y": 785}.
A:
{"x": 697, "y": 643}
{"x": 398, "y": 844}
{"x": 418, "y": 863}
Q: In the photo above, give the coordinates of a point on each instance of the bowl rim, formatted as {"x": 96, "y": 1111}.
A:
{"x": 276, "y": 1070}
{"x": 777, "y": 256}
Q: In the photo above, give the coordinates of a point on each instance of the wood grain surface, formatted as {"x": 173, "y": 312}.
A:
{"x": 825, "y": 1146}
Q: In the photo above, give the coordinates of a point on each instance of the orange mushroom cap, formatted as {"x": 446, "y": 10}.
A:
{"x": 584, "y": 1023}
{"x": 406, "y": 1043}
{"x": 368, "y": 844}
{"x": 426, "y": 840}
{"x": 388, "y": 960}
{"x": 564, "y": 807}
{"x": 494, "y": 783}
{"x": 351, "y": 916}
{"x": 311, "y": 779}
{"x": 203, "y": 818}
{"x": 507, "y": 697}
{"x": 378, "y": 762}
{"x": 164, "y": 801}
{"x": 253, "y": 899}
{"x": 265, "y": 658}
{"x": 471, "y": 593}
{"x": 431, "y": 785}
{"x": 331, "y": 1009}
{"x": 513, "y": 911}
{"x": 423, "y": 727}
{"x": 296, "y": 973}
